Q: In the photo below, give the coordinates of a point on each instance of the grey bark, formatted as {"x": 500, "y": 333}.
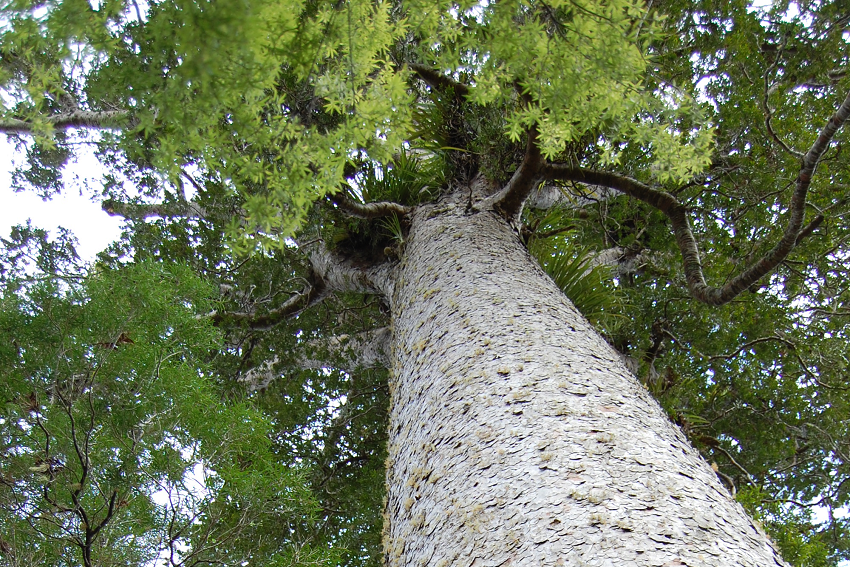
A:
{"x": 623, "y": 261}
{"x": 517, "y": 436}
{"x": 77, "y": 118}
{"x": 549, "y": 195}
{"x": 344, "y": 352}
{"x": 344, "y": 275}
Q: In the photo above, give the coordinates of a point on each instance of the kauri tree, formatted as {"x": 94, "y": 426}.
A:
{"x": 399, "y": 210}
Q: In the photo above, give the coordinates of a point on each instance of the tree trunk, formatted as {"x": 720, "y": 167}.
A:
{"x": 517, "y": 437}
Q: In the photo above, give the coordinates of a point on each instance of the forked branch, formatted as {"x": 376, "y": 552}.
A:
{"x": 313, "y": 293}
{"x": 677, "y": 213}
{"x": 329, "y": 274}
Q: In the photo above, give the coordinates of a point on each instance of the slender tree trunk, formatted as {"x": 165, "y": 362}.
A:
{"x": 517, "y": 437}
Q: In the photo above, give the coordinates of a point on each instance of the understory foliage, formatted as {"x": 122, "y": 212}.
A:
{"x": 190, "y": 397}
{"x": 117, "y": 445}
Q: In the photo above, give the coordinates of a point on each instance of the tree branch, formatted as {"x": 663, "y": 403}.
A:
{"x": 550, "y": 195}
{"x": 438, "y": 81}
{"x": 137, "y": 211}
{"x": 624, "y": 261}
{"x": 368, "y": 210}
{"x": 329, "y": 274}
{"x": 807, "y": 230}
{"x": 344, "y": 352}
{"x": 751, "y": 344}
{"x": 103, "y": 119}
{"x": 737, "y": 465}
{"x": 309, "y": 296}
{"x": 509, "y": 201}
{"x": 677, "y": 213}
{"x": 346, "y": 274}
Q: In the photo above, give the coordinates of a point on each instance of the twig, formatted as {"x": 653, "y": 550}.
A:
{"x": 749, "y": 344}
{"x": 737, "y": 464}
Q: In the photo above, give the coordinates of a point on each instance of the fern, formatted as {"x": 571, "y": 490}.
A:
{"x": 405, "y": 182}
{"x": 590, "y": 287}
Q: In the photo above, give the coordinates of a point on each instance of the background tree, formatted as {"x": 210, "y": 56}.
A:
{"x": 631, "y": 120}
{"x": 117, "y": 448}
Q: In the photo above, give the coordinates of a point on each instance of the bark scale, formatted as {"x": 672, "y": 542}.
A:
{"x": 517, "y": 437}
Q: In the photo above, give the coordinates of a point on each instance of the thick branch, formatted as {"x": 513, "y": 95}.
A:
{"x": 346, "y": 275}
{"x": 551, "y": 195}
{"x": 677, "y": 213}
{"x": 77, "y": 119}
{"x": 312, "y": 294}
{"x": 368, "y": 210}
{"x": 509, "y": 201}
{"x": 329, "y": 274}
{"x": 438, "y": 81}
{"x": 624, "y": 261}
{"x": 344, "y": 352}
{"x": 137, "y": 211}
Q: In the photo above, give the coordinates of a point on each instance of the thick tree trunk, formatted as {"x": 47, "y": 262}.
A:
{"x": 517, "y": 437}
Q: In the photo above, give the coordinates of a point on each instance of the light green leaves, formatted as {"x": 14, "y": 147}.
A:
{"x": 276, "y": 98}
{"x": 568, "y": 68}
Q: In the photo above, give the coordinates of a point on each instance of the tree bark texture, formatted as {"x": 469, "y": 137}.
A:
{"x": 518, "y": 438}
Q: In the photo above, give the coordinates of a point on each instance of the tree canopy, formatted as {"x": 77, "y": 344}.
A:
{"x": 689, "y": 152}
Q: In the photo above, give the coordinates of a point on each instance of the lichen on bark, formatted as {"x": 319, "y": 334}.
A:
{"x": 518, "y": 437}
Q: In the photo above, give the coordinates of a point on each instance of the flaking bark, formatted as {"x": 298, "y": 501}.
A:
{"x": 517, "y": 437}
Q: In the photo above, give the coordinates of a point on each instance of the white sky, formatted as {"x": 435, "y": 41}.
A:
{"x": 73, "y": 209}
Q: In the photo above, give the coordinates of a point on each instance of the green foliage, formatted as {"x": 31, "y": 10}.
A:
{"x": 262, "y": 108}
{"x": 45, "y": 169}
{"x": 407, "y": 180}
{"x": 790, "y": 529}
{"x": 116, "y": 447}
{"x": 586, "y": 282}
{"x": 277, "y": 99}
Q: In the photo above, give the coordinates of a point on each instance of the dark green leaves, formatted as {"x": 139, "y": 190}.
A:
{"x": 117, "y": 448}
